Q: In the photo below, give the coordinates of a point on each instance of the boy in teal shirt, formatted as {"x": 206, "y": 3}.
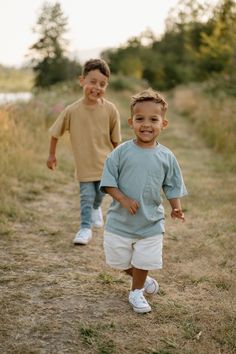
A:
{"x": 134, "y": 174}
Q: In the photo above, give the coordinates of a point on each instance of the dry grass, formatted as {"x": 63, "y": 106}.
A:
{"x": 15, "y": 80}
{"x": 58, "y": 298}
{"x": 213, "y": 116}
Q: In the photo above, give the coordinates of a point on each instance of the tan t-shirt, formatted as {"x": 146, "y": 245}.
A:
{"x": 92, "y": 129}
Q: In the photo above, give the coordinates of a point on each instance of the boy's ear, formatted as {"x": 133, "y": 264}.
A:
{"x": 165, "y": 123}
{"x": 81, "y": 80}
{"x": 130, "y": 122}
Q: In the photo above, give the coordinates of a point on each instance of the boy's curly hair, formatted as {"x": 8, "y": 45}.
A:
{"x": 148, "y": 95}
{"x": 96, "y": 64}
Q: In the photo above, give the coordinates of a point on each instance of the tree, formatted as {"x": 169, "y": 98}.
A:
{"x": 217, "y": 51}
{"x": 199, "y": 44}
{"x": 50, "y": 63}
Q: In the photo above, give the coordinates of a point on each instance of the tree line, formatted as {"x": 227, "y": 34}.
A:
{"x": 49, "y": 54}
{"x": 198, "y": 44}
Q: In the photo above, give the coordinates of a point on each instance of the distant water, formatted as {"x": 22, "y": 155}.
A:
{"x": 7, "y": 97}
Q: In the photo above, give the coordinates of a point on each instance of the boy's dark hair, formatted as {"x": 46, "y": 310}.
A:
{"x": 148, "y": 95}
{"x": 96, "y": 64}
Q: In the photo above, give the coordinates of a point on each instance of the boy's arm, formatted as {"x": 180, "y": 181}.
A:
{"x": 176, "y": 209}
{"x": 52, "y": 161}
{"x": 127, "y": 203}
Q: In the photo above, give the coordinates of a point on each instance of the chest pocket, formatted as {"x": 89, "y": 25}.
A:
{"x": 152, "y": 189}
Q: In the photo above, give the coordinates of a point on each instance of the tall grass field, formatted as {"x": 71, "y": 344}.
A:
{"x": 59, "y": 298}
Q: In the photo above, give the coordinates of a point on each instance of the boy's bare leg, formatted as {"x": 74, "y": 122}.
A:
{"x": 139, "y": 277}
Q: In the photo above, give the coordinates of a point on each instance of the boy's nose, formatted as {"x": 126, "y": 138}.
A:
{"x": 97, "y": 85}
{"x": 146, "y": 124}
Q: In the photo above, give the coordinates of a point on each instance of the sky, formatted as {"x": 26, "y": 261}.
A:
{"x": 92, "y": 25}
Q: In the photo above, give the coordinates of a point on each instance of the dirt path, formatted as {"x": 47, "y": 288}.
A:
{"x": 61, "y": 298}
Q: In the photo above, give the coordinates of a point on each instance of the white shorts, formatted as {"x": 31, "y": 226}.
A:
{"x": 124, "y": 253}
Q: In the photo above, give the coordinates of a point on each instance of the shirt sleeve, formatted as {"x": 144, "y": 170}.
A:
{"x": 173, "y": 184}
{"x": 110, "y": 171}
{"x": 61, "y": 124}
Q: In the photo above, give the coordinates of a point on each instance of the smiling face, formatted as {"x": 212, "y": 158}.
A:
{"x": 94, "y": 86}
{"x": 147, "y": 122}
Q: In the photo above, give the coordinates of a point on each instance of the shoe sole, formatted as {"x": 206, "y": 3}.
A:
{"x": 141, "y": 310}
{"x": 155, "y": 290}
{"x": 82, "y": 242}
{"x": 144, "y": 310}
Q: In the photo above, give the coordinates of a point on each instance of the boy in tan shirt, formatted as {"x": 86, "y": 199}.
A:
{"x": 93, "y": 124}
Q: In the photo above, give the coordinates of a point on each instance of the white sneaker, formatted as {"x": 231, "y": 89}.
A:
{"x": 138, "y": 301}
{"x": 151, "y": 286}
{"x": 83, "y": 236}
{"x": 97, "y": 218}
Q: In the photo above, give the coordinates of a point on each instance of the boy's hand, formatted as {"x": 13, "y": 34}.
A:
{"x": 52, "y": 162}
{"x": 177, "y": 213}
{"x": 130, "y": 204}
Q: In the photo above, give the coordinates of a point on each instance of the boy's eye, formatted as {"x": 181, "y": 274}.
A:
{"x": 101, "y": 84}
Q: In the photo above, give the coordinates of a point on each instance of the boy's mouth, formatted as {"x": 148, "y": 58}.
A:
{"x": 94, "y": 93}
{"x": 146, "y": 131}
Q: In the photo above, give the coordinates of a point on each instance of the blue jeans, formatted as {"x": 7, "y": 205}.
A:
{"x": 90, "y": 198}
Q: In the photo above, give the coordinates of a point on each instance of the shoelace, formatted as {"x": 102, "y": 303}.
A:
{"x": 139, "y": 297}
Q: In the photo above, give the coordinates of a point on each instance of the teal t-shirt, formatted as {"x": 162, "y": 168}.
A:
{"x": 141, "y": 174}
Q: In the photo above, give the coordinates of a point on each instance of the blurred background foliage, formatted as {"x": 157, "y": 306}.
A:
{"x": 198, "y": 45}
{"x": 193, "y": 63}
